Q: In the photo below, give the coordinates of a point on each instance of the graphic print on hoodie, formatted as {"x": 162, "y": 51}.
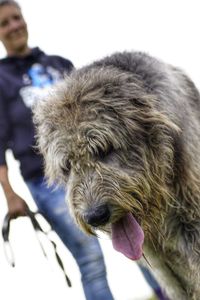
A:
{"x": 37, "y": 83}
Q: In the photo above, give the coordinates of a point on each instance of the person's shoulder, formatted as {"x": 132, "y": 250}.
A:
{"x": 4, "y": 63}
{"x": 4, "y": 67}
{"x": 38, "y": 53}
{"x": 59, "y": 58}
{"x": 64, "y": 61}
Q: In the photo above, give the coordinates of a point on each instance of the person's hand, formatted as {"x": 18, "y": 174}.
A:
{"x": 16, "y": 206}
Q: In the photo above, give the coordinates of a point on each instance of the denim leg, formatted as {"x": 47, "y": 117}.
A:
{"x": 153, "y": 283}
{"x": 86, "y": 250}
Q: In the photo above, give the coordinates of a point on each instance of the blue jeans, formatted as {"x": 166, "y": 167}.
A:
{"x": 86, "y": 250}
{"x": 153, "y": 283}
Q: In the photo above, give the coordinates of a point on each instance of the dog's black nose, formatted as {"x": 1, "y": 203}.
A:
{"x": 98, "y": 216}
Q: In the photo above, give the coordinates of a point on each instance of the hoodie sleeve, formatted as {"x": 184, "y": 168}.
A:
{"x": 68, "y": 65}
{"x": 4, "y": 128}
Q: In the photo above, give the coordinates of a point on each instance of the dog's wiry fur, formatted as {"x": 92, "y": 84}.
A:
{"x": 125, "y": 132}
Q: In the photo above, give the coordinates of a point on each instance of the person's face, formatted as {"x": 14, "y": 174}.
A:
{"x": 13, "y": 29}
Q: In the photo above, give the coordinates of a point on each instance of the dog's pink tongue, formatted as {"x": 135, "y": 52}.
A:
{"x": 128, "y": 237}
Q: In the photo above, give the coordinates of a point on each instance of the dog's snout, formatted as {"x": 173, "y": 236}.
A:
{"x": 98, "y": 216}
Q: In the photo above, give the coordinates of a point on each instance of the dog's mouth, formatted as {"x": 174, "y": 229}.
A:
{"x": 128, "y": 237}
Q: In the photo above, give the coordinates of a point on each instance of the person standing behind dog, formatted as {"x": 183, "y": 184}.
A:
{"x": 25, "y": 75}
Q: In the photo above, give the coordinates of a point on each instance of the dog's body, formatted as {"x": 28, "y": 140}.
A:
{"x": 123, "y": 134}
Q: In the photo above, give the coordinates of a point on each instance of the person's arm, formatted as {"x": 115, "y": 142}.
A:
{"x": 16, "y": 205}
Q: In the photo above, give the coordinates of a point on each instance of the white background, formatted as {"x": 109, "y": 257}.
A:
{"x": 85, "y": 30}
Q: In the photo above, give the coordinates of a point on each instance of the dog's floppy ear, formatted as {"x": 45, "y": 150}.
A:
{"x": 45, "y": 117}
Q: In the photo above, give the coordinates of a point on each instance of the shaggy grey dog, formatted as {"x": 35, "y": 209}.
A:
{"x": 123, "y": 135}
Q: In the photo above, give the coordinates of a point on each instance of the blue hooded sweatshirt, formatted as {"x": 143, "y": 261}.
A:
{"x": 23, "y": 80}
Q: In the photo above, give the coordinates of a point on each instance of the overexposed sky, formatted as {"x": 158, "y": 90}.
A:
{"x": 82, "y": 31}
{"x": 85, "y": 30}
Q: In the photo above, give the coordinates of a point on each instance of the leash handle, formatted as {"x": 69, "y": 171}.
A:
{"x": 38, "y": 229}
{"x": 60, "y": 263}
{"x": 6, "y": 227}
{"x": 9, "y": 254}
{"x": 7, "y": 247}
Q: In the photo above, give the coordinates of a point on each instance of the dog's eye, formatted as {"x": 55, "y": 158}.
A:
{"x": 66, "y": 168}
{"x": 103, "y": 153}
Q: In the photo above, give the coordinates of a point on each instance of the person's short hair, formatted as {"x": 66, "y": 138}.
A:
{"x": 9, "y": 2}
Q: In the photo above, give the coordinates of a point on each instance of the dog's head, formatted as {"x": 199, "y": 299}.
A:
{"x": 103, "y": 137}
